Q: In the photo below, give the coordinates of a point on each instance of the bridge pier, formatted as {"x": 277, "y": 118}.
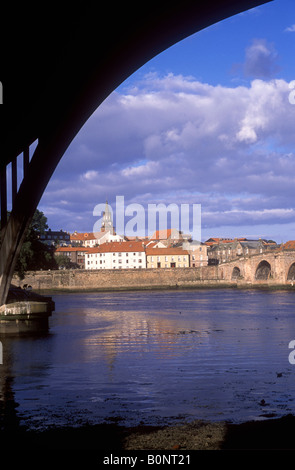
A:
{"x": 37, "y": 173}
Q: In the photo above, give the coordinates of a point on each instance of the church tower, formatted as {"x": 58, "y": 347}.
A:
{"x": 107, "y": 223}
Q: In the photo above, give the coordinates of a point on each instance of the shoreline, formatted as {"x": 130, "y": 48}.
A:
{"x": 117, "y": 280}
{"x": 161, "y": 288}
{"x": 203, "y": 286}
{"x": 199, "y": 435}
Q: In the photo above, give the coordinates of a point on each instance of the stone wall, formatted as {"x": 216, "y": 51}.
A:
{"x": 119, "y": 279}
{"x": 109, "y": 279}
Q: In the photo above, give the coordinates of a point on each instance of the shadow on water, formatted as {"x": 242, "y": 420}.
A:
{"x": 11, "y": 331}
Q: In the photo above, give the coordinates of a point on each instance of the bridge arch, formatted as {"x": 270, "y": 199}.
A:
{"x": 291, "y": 272}
{"x": 263, "y": 271}
{"x": 80, "y": 65}
{"x": 236, "y": 273}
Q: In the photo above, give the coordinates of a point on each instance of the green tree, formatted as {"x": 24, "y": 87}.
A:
{"x": 34, "y": 254}
{"x": 63, "y": 261}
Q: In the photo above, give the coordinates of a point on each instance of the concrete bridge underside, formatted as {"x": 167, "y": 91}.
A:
{"x": 57, "y": 67}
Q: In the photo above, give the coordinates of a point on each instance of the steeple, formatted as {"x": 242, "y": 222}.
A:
{"x": 107, "y": 223}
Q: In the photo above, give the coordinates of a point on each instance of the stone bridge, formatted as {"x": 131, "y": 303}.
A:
{"x": 276, "y": 267}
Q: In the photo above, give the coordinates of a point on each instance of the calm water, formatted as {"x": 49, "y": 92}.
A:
{"x": 156, "y": 358}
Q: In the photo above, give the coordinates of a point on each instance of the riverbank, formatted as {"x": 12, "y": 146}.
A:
{"x": 269, "y": 434}
{"x": 135, "y": 279}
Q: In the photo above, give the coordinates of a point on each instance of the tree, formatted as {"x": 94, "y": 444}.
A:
{"x": 64, "y": 262}
{"x": 34, "y": 254}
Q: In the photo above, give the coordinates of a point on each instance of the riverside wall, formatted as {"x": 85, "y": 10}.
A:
{"x": 69, "y": 280}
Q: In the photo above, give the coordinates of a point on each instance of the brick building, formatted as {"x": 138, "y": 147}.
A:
{"x": 75, "y": 254}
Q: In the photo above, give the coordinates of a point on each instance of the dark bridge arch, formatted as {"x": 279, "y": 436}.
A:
{"x": 236, "y": 273}
{"x": 263, "y": 271}
{"x": 291, "y": 273}
{"x": 59, "y": 69}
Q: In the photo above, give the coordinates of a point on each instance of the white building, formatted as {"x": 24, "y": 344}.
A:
{"x": 116, "y": 255}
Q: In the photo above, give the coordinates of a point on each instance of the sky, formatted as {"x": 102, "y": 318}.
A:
{"x": 209, "y": 122}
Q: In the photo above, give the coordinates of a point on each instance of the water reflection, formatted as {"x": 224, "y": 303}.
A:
{"x": 12, "y": 332}
{"x": 155, "y": 357}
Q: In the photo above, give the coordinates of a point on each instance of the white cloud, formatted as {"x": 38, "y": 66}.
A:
{"x": 290, "y": 29}
{"x": 90, "y": 175}
{"x": 176, "y": 139}
{"x": 261, "y": 60}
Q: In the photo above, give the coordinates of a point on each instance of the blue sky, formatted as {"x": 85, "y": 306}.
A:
{"x": 206, "y": 122}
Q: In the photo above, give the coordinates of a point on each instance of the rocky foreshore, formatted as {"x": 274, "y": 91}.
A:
{"x": 274, "y": 434}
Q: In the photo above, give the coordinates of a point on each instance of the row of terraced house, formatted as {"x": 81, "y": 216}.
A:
{"x": 135, "y": 254}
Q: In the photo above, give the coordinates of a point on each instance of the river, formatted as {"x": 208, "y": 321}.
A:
{"x": 155, "y": 357}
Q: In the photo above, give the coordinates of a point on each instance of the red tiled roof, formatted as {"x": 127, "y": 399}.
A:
{"x": 62, "y": 249}
{"x": 290, "y": 245}
{"x": 83, "y": 236}
{"x": 161, "y": 234}
{"x": 165, "y": 251}
{"x": 118, "y": 247}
